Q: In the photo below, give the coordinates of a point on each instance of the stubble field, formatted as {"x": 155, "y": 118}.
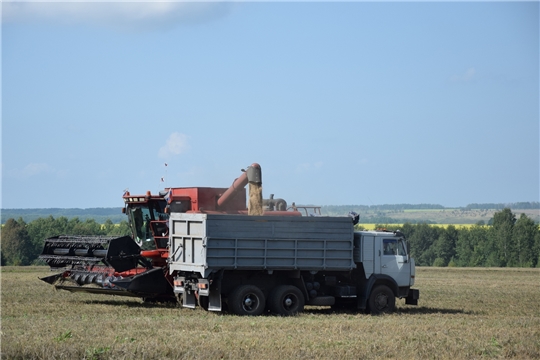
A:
{"x": 462, "y": 314}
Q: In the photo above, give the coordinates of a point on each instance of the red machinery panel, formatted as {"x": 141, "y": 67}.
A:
{"x": 205, "y": 199}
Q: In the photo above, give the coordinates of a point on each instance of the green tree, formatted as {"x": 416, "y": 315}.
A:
{"x": 17, "y": 247}
{"x": 421, "y": 242}
{"x": 492, "y": 250}
{"x": 44, "y": 228}
{"x": 523, "y": 236}
{"x": 464, "y": 248}
{"x": 503, "y": 227}
{"x": 121, "y": 229}
{"x": 445, "y": 245}
{"x": 536, "y": 249}
{"x": 473, "y": 246}
{"x": 2, "y": 259}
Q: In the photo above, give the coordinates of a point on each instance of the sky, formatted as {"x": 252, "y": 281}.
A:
{"x": 350, "y": 103}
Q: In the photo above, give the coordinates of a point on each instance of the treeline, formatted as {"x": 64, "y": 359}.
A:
{"x": 493, "y": 206}
{"x": 340, "y": 209}
{"x": 22, "y": 242}
{"x": 100, "y": 215}
{"x": 508, "y": 242}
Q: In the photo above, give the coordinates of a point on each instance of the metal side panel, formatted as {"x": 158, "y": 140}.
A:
{"x": 187, "y": 243}
{"x": 279, "y": 227}
{"x": 277, "y": 242}
{"x": 201, "y": 242}
{"x": 308, "y": 254}
{"x": 368, "y": 254}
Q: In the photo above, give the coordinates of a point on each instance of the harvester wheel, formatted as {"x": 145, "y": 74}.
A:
{"x": 246, "y": 300}
{"x": 381, "y": 300}
{"x": 286, "y": 300}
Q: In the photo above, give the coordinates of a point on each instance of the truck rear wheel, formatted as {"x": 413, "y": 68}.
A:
{"x": 246, "y": 300}
{"x": 286, "y": 300}
{"x": 381, "y": 300}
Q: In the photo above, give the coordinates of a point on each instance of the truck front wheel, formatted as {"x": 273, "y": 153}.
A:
{"x": 286, "y": 300}
{"x": 246, "y": 300}
{"x": 381, "y": 300}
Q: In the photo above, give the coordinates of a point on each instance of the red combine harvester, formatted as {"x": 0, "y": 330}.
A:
{"x": 137, "y": 265}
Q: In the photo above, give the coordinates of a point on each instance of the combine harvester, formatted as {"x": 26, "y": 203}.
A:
{"x": 203, "y": 246}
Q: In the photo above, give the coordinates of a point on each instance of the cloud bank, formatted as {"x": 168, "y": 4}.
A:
{"x": 31, "y": 170}
{"x": 123, "y": 14}
{"x": 176, "y": 144}
{"x": 465, "y": 77}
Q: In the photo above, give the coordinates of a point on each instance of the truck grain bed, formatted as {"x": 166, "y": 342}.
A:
{"x": 206, "y": 242}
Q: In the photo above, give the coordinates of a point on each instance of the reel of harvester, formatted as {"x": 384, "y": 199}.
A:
{"x": 92, "y": 263}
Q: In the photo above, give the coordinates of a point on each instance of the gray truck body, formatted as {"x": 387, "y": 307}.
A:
{"x": 216, "y": 258}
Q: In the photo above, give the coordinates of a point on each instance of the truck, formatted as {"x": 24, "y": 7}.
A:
{"x": 202, "y": 246}
{"x": 252, "y": 265}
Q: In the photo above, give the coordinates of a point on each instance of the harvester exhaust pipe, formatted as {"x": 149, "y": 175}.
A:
{"x": 253, "y": 176}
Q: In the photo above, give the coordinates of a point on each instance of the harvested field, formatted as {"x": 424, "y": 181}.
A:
{"x": 462, "y": 314}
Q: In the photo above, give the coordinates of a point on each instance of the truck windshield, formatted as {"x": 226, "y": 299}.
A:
{"x": 394, "y": 247}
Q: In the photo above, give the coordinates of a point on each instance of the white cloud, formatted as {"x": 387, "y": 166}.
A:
{"x": 118, "y": 14}
{"x": 176, "y": 144}
{"x": 30, "y": 170}
{"x": 464, "y": 77}
{"x": 306, "y": 167}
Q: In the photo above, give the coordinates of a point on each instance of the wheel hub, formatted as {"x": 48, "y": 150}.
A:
{"x": 288, "y": 302}
{"x": 381, "y": 301}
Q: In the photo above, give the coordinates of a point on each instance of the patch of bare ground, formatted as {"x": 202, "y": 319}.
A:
{"x": 462, "y": 314}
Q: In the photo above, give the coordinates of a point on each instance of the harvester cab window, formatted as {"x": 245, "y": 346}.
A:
{"x": 140, "y": 218}
{"x": 147, "y": 220}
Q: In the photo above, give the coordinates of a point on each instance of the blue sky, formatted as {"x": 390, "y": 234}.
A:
{"x": 340, "y": 103}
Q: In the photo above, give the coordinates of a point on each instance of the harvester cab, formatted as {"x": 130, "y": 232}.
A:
{"x": 148, "y": 220}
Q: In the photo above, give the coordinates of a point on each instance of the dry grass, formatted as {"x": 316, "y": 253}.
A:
{"x": 463, "y": 313}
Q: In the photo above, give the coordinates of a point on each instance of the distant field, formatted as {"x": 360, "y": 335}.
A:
{"x": 439, "y": 216}
{"x": 445, "y": 216}
{"x": 462, "y": 314}
{"x": 458, "y": 226}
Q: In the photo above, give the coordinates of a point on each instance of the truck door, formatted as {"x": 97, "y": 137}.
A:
{"x": 394, "y": 261}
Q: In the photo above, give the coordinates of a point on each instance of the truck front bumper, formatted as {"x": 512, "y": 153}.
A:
{"x": 412, "y": 297}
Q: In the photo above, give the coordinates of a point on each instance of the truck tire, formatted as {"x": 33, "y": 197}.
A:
{"x": 246, "y": 300}
{"x": 381, "y": 300}
{"x": 286, "y": 300}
